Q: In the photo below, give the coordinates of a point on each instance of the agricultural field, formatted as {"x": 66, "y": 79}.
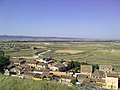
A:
{"x": 91, "y": 52}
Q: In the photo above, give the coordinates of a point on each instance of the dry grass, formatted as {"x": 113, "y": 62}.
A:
{"x": 11, "y": 83}
{"x": 68, "y": 51}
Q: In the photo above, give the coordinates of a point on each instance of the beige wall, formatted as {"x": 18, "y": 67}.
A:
{"x": 86, "y": 69}
{"x": 105, "y": 68}
{"x": 112, "y": 83}
{"x": 33, "y": 65}
{"x": 59, "y": 73}
{"x": 40, "y": 67}
{"x": 40, "y": 60}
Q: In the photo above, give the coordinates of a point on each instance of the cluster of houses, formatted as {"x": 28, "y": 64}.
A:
{"x": 105, "y": 77}
{"x": 44, "y": 67}
{"x": 32, "y": 68}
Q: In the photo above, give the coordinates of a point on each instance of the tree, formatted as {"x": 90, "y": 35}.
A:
{"x": 61, "y": 61}
{"x": 77, "y": 64}
{"x": 4, "y": 61}
{"x": 71, "y": 64}
{"x": 35, "y": 48}
{"x": 95, "y": 66}
{"x": 1, "y": 54}
{"x": 73, "y": 81}
{"x": 84, "y": 63}
{"x": 74, "y": 65}
{"x": 44, "y": 77}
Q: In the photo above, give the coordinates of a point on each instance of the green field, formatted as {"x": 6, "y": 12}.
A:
{"x": 92, "y": 52}
{"x": 11, "y": 83}
{"x": 20, "y": 53}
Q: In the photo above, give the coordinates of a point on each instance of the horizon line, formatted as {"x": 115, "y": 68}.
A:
{"x": 33, "y": 36}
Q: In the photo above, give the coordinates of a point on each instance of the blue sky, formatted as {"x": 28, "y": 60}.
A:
{"x": 62, "y": 18}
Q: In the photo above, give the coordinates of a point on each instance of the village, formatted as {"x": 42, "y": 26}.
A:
{"x": 46, "y": 68}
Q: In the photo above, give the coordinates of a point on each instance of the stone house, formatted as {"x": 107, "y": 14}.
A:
{"x": 41, "y": 71}
{"x": 66, "y": 79}
{"x": 58, "y": 67}
{"x": 37, "y": 77}
{"x": 7, "y": 72}
{"x": 98, "y": 74}
{"x": 111, "y": 81}
{"x": 31, "y": 63}
{"x": 58, "y": 73}
{"x": 88, "y": 81}
{"x": 106, "y": 80}
{"x": 45, "y": 59}
{"x": 28, "y": 75}
{"x": 86, "y": 69}
{"x": 117, "y": 70}
{"x": 44, "y": 75}
{"x": 41, "y": 65}
{"x": 18, "y": 62}
{"x": 27, "y": 68}
{"x": 17, "y": 70}
{"x": 99, "y": 77}
{"x": 106, "y": 68}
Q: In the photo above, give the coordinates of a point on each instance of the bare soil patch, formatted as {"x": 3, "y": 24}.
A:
{"x": 68, "y": 51}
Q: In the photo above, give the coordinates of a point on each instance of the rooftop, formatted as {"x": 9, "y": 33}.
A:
{"x": 86, "y": 68}
{"x": 99, "y": 74}
{"x": 105, "y": 66}
{"x": 59, "y": 65}
{"x": 112, "y": 75}
{"x": 31, "y": 61}
{"x": 45, "y": 57}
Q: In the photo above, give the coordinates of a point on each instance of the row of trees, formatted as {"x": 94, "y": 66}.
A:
{"x": 75, "y": 65}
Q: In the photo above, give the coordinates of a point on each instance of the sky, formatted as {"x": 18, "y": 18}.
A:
{"x": 61, "y": 18}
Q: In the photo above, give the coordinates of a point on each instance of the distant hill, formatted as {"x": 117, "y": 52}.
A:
{"x": 31, "y": 38}
{"x": 12, "y": 83}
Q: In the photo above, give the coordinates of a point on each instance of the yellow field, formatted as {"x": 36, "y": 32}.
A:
{"x": 68, "y": 51}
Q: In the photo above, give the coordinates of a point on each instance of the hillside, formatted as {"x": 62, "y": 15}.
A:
{"x": 11, "y": 83}
{"x": 38, "y": 38}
